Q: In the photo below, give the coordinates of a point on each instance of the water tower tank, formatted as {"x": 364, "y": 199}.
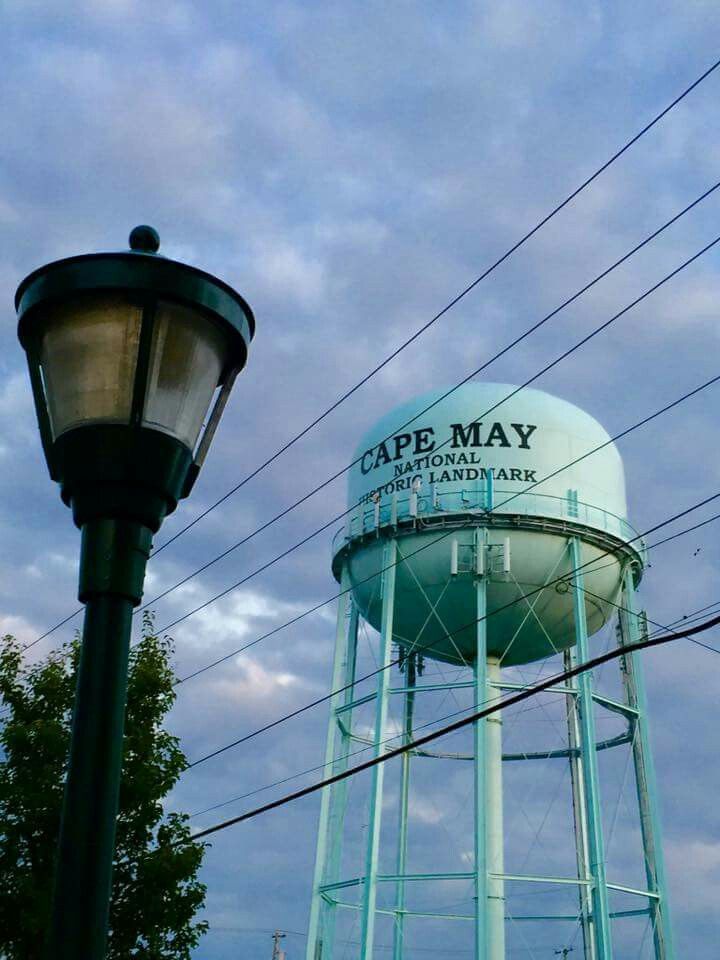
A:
{"x": 478, "y": 467}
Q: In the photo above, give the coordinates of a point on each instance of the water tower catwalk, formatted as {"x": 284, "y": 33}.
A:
{"x": 484, "y": 536}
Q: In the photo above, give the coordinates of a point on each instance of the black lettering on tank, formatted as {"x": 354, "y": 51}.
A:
{"x": 497, "y": 433}
{"x": 524, "y": 431}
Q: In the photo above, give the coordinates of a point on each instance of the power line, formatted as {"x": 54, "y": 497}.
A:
{"x": 322, "y": 766}
{"x": 326, "y": 697}
{"x": 503, "y": 503}
{"x": 463, "y": 293}
{"x": 508, "y": 701}
{"x": 420, "y": 413}
{"x": 283, "y": 513}
{"x": 295, "y": 933}
{"x": 686, "y": 619}
{"x": 418, "y": 333}
{"x": 696, "y": 526}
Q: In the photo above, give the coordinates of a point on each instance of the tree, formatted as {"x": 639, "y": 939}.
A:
{"x": 156, "y": 893}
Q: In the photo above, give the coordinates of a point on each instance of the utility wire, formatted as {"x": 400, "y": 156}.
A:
{"x": 530, "y": 380}
{"x": 703, "y": 523}
{"x": 463, "y": 293}
{"x": 283, "y": 513}
{"x": 354, "y": 753}
{"x": 685, "y": 620}
{"x": 508, "y": 701}
{"x": 326, "y": 697}
{"x": 416, "y": 416}
{"x": 438, "y": 539}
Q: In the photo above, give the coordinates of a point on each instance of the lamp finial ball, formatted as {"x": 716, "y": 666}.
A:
{"x": 144, "y": 239}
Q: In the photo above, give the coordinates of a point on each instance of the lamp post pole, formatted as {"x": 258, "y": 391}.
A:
{"x": 112, "y": 570}
{"x": 132, "y": 357}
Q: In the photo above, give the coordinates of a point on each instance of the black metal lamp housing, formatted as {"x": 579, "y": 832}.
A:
{"x": 127, "y": 352}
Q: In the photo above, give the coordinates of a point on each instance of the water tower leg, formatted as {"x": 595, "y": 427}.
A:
{"x": 369, "y": 893}
{"x": 601, "y": 929}
{"x": 319, "y": 907}
{"x": 489, "y": 859}
{"x": 634, "y": 682}
{"x": 582, "y": 846}
{"x": 479, "y": 738}
{"x": 494, "y": 821}
{"x": 338, "y": 803}
{"x": 399, "y": 931}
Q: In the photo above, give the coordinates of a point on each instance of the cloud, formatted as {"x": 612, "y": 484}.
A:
{"x": 697, "y": 861}
{"x": 350, "y": 169}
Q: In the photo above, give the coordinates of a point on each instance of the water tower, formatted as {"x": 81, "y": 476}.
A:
{"x": 481, "y": 535}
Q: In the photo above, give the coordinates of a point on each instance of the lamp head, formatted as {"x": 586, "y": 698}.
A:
{"x": 132, "y": 357}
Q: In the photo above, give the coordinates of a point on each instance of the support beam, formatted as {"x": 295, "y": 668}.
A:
{"x": 577, "y": 780}
{"x": 601, "y": 929}
{"x": 494, "y": 821}
{"x": 487, "y": 736}
{"x": 479, "y": 736}
{"x": 319, "y": 907}
{"x": 399, "y": 931}
{"x": 369, "y": 897}
{"x": 634, "y": 683}
{"x": 338, "y": 803}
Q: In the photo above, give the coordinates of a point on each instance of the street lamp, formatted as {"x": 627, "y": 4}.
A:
{"x": 130, "y": 356}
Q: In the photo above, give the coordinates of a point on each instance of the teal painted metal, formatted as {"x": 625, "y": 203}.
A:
{"x": 422, "y": 687}
{"x": 408, "y": 713}
{"x": 369, "y": 899}
{"x": 480, "y": 786}
{"x": 340, "y": 790}
{"x": 596, "y": 847}
{"x": 315, "y": 938}
{"x": 594, "y": 916}
{"x": 495, "y": 907}
{"x": 506, "y": 472}
{"x": 645, "y": 777}
{"x": 579, "y": 801}
{"x": 532, "y": 431}
{"x": 478, "y": 564}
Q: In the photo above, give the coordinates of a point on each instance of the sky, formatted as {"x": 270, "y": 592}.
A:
{"x": 349, "y": 168}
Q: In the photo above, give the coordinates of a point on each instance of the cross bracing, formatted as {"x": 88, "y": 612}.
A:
{"x": 489, "y": 914}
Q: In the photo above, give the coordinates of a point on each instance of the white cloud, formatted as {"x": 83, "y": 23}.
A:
{"x": 288, "y": 272}
{"x": 695, "y": 869}
{"x": 18, "y": 627}
{"x": 350, "y": 169}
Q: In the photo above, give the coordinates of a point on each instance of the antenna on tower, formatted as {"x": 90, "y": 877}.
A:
{"x": 277, "y": 953}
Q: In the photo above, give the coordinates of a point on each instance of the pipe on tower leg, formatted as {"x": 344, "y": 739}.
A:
{"x": 399, "y": 931}
{"x": 634, "y": 683}
{"x": 479, "y": 769}
{"x": 494, "y": 820}
{"x": 601, "y": 929}
{"x": 489, "y": 857}
{"x": 369, "y": 894}
{"x": 318, "y": 907}
{"x": 579, "y": 801}
{"x": 338, "y": 802}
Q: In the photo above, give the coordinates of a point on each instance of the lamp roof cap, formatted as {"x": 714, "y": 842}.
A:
{"x": 144, "y": 239}
{"x": 139, "y": 269}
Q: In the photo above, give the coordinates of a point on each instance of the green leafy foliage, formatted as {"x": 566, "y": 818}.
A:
{"x": 156, "y": 893}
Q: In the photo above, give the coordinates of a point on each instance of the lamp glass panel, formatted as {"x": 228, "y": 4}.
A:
{"x": 88, "y": 355}
{"x": 188, "y": 355}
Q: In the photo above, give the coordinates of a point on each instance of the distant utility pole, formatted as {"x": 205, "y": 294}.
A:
{"x": 564, "y": 952}
{"x": 278, "y": 954}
